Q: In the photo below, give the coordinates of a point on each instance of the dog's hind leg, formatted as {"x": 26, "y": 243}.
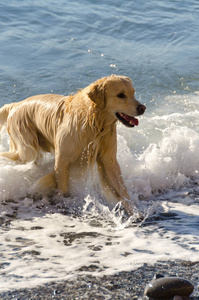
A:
{"x": 24, "y": 144}
{"x": 13, "y": 155}
{"x": 22, "y": 152}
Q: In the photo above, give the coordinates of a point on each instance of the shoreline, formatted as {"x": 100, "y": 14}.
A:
{"x": 125, "y": 285}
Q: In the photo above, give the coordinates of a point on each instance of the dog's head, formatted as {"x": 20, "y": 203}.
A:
{"x": 115, "y": 96}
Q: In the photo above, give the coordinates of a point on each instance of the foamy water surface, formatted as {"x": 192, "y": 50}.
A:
{"x": 58, "y": 238}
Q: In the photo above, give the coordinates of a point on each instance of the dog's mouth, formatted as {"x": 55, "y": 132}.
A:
{"x": 127, "y": 120}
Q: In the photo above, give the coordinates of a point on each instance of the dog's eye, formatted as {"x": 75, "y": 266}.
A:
{"x": 121, "y": 95}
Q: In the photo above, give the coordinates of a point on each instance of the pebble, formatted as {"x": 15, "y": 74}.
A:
{"x": 180, "y": 298}
{"x": 167, "y": 287}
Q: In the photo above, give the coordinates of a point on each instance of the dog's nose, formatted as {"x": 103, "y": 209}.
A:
{"x": 141, "y": 109}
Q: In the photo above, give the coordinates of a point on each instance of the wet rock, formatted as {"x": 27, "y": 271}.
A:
{"x": 168, "y": 287}
{"x": 180, "y": 298}
{"x": 36, "y": 228}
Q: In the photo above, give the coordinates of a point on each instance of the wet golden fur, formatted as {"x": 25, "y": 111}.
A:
{"x": 79, "y": 126}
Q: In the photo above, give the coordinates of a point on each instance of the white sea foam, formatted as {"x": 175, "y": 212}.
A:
{"x": 160, "y": 164}
{"x": 55, "y": 246}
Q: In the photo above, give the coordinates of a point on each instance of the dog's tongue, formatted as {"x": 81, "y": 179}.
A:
{"x": 131, "y": 120}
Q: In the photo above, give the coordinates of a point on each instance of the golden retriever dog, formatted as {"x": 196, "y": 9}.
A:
{"x": 74, "y": 128}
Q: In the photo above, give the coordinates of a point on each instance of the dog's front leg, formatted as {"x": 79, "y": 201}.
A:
{"x": 65, "y": 155}
{"x": 61, "y": 175}
{"x": 111, "y": 178}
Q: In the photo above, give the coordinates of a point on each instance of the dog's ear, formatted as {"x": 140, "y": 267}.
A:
{"x": 97, "y": 92}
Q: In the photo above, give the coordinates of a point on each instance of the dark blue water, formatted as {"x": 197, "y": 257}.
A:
{"x": 59, "y": 46}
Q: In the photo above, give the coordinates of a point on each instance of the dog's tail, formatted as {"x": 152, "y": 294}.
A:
{"x": 4, "y": 112}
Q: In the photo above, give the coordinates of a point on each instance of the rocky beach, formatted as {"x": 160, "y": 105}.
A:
{"x": 125, "y": 285}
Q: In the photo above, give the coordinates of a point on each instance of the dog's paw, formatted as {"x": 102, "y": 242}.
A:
{"x": 120, "y": 212}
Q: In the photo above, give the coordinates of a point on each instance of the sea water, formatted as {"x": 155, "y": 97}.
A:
{"x": 60, "y": 47}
